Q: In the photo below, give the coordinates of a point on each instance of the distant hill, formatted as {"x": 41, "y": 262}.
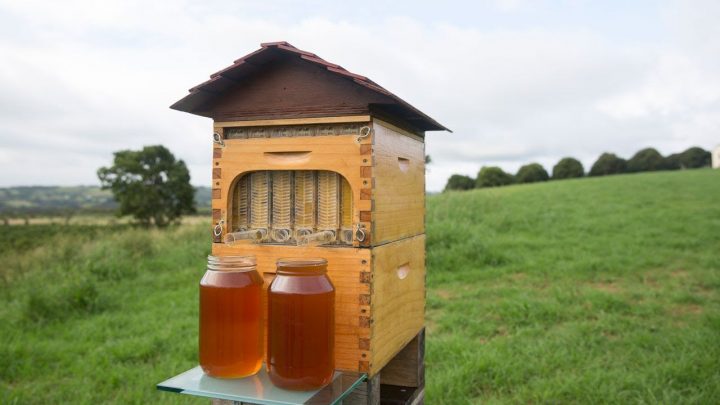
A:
{"x": 54, "y": 200}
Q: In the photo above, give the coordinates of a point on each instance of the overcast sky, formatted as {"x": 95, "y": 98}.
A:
{"x": 518, "y": 81}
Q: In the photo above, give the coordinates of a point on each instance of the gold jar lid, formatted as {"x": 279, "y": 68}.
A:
{"x": 304, "y": 265}
{"x": 232, "y": 263}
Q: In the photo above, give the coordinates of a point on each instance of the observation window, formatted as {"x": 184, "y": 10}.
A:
{"x": 297, "y": 207}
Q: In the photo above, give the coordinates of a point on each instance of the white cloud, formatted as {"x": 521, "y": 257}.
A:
{"x": 676, "y": 85}
{"x": 80, "y": 80}
{"x": 511, "y": 5}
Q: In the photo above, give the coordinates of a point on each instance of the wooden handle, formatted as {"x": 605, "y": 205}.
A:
{"x": 404, "y": 164}
{"x": 280, "y": 158}
{"x": 403, "y": 270}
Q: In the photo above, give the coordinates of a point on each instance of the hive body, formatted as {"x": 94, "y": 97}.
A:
{"x": 340, "y": 183}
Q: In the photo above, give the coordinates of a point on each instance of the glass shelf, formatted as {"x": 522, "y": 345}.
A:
{"x": 258, "y": 389}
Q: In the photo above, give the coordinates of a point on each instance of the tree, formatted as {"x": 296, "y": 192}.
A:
{"x": 646, "y": 160}
{"x": 691, "y": 158}
{"x": 532, "y": 173}
{"x": 460, "y": 182}
{"x": 493, "y": 176}
{"x": 608, "y": 163}
{"x": 568, "y": 168}
{"x": 150, "y": 184}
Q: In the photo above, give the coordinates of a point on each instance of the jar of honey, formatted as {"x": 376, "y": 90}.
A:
{"x": 231, "y": 321}
{"x": 301, "y": 325}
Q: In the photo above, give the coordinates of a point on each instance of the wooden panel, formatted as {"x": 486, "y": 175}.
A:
{"x": 397, "y": 298}
{"x": 407, "y": 368}
{"x": 340, "y": 154}
{"x": 344, "y": 268}
{"x": 366, "y": 171}
{"x": 418, "y": 136}
{"x": 399, "y": 395}
{"x": 419, "y": 397}
{"x": 294, "y": 121}
{"x": 367, "y": 393}
{"x": 399, "y": 185}
{"x": 291, "y": 88}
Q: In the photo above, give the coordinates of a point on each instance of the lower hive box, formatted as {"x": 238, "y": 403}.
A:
{"x": 380, "y": 295}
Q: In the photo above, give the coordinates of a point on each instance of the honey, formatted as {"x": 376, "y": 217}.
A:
{"x": 231, "y": 328}
{"x": 346, "y": 212}
{"x": 240, "y": 205}
{"x": 281, "y": 205}
{"x": 301, "y": 325}
{"x": 328, "y": 213}
{"x": 304, "y": 202}
{"x": 260, "y": 201}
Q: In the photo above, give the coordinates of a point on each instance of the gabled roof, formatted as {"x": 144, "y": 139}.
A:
{"x": 223, "y": 81}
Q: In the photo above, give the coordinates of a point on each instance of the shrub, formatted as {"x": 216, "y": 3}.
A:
{"x": 460, "y": 182}
{"x": 532, "y": 173}
{"x": 568, "y": 168}
{"x": 646, "y": 160}
{"x": 493, "y": 176}
{"x": 692, "y": 158}
{"x": 672, "y": 162}
{"x": 608, "y": 163}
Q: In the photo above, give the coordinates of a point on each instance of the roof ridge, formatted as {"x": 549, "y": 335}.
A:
{"x": 276, "y": 43}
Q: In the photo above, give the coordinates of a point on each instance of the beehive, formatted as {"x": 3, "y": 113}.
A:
{"x": 301, "y": 147}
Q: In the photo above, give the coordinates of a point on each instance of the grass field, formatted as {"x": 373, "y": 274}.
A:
{"x": 603, "y": 290}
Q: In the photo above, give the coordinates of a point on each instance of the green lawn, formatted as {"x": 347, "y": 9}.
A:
{"x": 602, "y": 290}
{"x": 91, "y": 320}
{"x": 579, "y": 291}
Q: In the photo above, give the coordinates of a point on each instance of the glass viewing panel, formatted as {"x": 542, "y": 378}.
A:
{"x": 294, "y": 207}
{"x": 258, "y": 389}
{"x": 284, "y": 131}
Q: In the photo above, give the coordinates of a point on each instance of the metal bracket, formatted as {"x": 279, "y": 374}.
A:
{"x": 218, "y": 229}
{"x": 360, "y": 233}
{"x": 218, "y": 139}
{"x": 364, "y": 133}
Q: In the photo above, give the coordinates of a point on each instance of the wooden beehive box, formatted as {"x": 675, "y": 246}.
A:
{"x": 283, "y": 109}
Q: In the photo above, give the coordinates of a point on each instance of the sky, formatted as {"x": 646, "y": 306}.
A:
{"x": 517, "y": 81}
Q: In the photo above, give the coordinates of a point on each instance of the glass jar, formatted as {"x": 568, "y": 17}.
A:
{"x": 301, "y": 325}
{"x": 231, "y": 322}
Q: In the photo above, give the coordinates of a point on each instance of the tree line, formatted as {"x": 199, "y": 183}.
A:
{"x": 645, "y": 160}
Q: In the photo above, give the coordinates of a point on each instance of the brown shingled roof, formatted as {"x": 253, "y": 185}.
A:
{"x": 223, "y": 80}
